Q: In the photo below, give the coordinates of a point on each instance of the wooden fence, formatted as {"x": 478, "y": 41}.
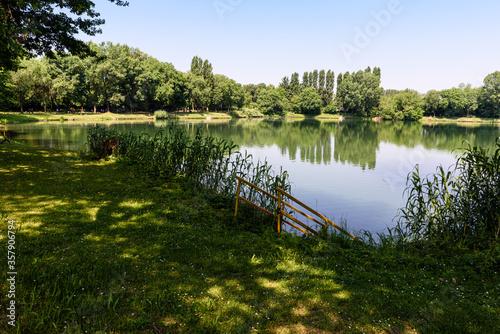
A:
{"x": 286, "y": 209}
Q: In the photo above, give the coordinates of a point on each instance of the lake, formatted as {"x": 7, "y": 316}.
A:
{"x": 351, "y": 170}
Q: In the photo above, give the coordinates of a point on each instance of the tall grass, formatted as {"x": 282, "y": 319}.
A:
{"x": 207, "y": 161}
{"x": 460, "y": 206}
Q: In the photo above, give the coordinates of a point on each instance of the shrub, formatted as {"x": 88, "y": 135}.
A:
{"x": 331, "y": 108}
{"x": 246, "y": 113}
{"x": 161, "y": 114}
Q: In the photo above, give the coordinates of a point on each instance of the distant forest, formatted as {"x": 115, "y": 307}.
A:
{"x": 120, "y": 78}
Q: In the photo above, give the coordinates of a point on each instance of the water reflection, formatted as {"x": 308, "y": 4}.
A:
{"x": 352, "y": 142}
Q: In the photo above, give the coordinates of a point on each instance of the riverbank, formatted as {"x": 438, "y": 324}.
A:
{"x": 13, "y": 118}
{"x": 99, "y": 248}
{"x": 460, "y": 120}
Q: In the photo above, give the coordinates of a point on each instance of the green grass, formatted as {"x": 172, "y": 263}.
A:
{"x": 186, "y": 116}
{"x": 41, "y": 116}
{"x": 100, "y": 249}
{"x": 459, "y": 120}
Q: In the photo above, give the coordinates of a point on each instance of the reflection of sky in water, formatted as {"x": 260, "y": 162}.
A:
{"x": 367, "y": 199}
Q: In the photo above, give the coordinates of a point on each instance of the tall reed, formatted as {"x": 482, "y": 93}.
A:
{"x": 209, "y": 162}
{"x": 456, "y": 206}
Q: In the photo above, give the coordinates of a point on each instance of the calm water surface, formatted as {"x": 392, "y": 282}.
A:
{"x": 352, "y": 170}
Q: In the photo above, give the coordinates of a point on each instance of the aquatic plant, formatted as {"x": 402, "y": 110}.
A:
{"x": 456, "y": 206}
{"x": 207, "y": 161}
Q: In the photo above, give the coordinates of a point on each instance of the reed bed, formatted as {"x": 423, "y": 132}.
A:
{"x": 209, "y": 162}
{"x": 456, "y": 207}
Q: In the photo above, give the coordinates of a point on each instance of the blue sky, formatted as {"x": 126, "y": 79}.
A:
{"x": 418, "y": 44}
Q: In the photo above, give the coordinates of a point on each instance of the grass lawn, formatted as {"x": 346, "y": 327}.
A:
{"x": 101, "y": 250}
{"x": 43, "y": 117}
{"x": 460, "y": 120}
{"x": 200, "y": 115}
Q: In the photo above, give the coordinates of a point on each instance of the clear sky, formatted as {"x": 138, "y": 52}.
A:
{"x": 418, "y": 44}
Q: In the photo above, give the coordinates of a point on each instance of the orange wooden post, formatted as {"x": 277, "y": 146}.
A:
{"x": 279, "y": 212}
{"x": 237, "y": 198}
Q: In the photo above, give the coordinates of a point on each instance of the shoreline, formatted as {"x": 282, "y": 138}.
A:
{"x": 16, "y": 118}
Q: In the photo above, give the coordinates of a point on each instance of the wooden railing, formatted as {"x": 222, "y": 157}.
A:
{"x": 238, "y": 197}
{"x": 285, "y": 216}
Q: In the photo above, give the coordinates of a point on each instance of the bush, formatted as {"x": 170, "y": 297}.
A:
{"x": 460, "y": 206}
{"x": 246, "y": 113}
{"x": 331, "y": 108}
{"x": 161, "y": 114}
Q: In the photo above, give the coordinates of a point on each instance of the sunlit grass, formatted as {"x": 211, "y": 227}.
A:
{"x": 159, "y": 258}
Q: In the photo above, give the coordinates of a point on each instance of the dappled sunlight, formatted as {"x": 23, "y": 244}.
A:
{"x": 342, "y": 295}
{"x": 93, "y": 238}
{"x": 158, "y": 260}
{"x": 134, "y": 204}
{"x": 277, "y": 286}
{"x": 216, "y": 291}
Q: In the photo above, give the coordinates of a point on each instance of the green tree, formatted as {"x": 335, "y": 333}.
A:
{"x": 36, "y": 26}
{"x": 431, "y": 102}
{"x": 295, "y": 84}
{"x": 322, "y": 79}
{"x": 199, "y": 91}
{"x": 405, "y": 105}
{"x": 305, "y": 80}
{"x": 173, "y": 91}
{"x": 227, "y": 93}
{"x": 271, "y": 102}
{"x": 359, "y": 92}
{"x": 295, "y": 104}
{"x": 70, "y": 80}
{"x": 330, "y": 83}
{"x": 454, "y": 102}
{"x": 155, "y": 72}
{"x": 285, "y": 85}
{"x": 6, "y": 91}
{"x": 409, "y": 104}
{"x": 22, "y": 84}
{"x": 489, "y": 97}
{"x": 310, "y": 102}
{"x": 196, "y": 65}
{"x": 315, "y": 79}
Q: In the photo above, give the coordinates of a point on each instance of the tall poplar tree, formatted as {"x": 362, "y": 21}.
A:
{"x": 305, "y": 80}
{"x": 295, "y": 84}
{"x": 322, "y": 79}
{"x": 315, "y": 79}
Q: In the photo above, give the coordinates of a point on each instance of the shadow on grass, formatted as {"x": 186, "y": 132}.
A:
{"x": 102, "y": 250}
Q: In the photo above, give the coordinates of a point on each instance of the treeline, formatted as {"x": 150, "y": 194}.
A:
{"x": 463, "y": 101}
{"x": 121, "y": 78}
